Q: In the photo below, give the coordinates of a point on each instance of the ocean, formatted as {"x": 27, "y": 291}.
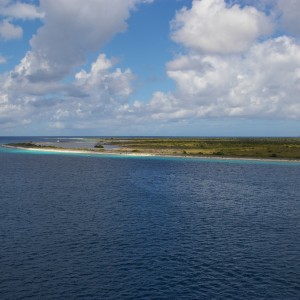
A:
{"x": 77, "y": 226}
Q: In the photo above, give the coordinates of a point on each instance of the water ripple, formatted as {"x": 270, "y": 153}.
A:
{"x": 90, "y": 228}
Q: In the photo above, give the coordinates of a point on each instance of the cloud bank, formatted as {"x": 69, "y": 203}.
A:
{"x": 235, "y": 61}
{"x": 232, "y": 65}
{"x": 34, "y": 91}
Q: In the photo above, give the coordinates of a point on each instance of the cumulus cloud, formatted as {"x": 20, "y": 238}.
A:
{"x": 20, "y": 10}
{"x": 290, "y": 15}
{"x": 10, "y": 11}
{"x": 100, "y": 80}
{"x": 226, "y": 70}
{"x": 13, "y": 111}
{"x": 248, "y": 86}
{"x": 96, "y": 94}
{"x": 230, "y": 67}
{"x": 71, "y": 30}
{"x": 8, "y": 31}
{"x": 212, "y": 26}
{"x": 93, "y": 97}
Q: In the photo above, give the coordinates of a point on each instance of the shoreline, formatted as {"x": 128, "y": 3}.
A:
{"x": 145, "y": 154}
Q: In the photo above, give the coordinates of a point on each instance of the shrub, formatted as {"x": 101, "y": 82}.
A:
{"x": 99, "y": 146}
{"x": 218, "y": 153}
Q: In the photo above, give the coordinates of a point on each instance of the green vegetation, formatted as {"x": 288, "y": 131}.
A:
{"x": 99, "y": 146}
{"x": 31, "y": 145}
{"x": 269, "y": 148}
{"x": 287, "y": 148}
{"x": 218, "y": 153}
{"x": 51, "y": 147}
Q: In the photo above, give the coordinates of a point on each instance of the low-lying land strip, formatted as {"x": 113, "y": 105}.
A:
{"x": 260, "y": 148}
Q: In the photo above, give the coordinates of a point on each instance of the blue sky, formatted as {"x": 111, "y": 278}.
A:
{"x": 150, "y": 67}
{"x": 146, "y": 46}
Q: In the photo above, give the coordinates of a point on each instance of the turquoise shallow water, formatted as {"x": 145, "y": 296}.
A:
{"x": 88, "y": 143}
{"x": 100, "y": 227}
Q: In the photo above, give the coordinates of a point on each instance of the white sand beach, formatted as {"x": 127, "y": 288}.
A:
{"x": 145, "y": 154}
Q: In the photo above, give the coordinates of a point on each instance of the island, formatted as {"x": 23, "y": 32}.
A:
{"x": 233, "y": 147}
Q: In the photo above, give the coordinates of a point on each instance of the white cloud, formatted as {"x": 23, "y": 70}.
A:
{"x": 19, "y": 10}
{"x": 4, "y": 3}
{"x": 10, "y": 11}
{"x": 290, "y": 16}
{"x": 13, "y": 112}
{"x": 100, "y": 79}
{"x": 95, "y": 96}
{"x": 2, "y": 60}
{"x": 226, "y": 70}
{"x": 211, "y": 26}
{"x": 71, "y": 30}
{"x": 8, "y": 31}
{"x": 264, "y": 83}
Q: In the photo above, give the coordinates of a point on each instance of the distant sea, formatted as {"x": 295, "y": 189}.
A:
{"x": 77, "y": 226}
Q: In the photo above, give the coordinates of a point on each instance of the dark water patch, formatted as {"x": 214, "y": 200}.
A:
{"x": 80, "y": 227}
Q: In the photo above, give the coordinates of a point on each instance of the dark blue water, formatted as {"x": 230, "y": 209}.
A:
{"x": 88, "y": 227}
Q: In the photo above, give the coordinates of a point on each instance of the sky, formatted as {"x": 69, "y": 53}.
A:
{"x": 150, "y": 67}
